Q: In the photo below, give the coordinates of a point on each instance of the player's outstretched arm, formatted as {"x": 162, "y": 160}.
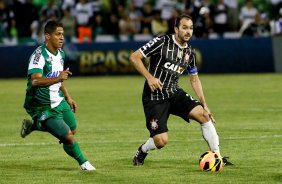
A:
{"x": 136, "y": 59}
{"x": 38, "y": 80}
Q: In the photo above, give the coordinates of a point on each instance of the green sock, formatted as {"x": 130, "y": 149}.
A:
{"x": 75, "y": 152}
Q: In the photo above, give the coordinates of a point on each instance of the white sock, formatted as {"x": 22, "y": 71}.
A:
{"x": 210, "y": 135}
{"x": 149, "y": 145}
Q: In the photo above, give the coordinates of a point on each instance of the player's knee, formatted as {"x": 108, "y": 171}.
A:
{"x": 69, "y": 139}
{"x": 199, "y": 114}
{"x": 73, "y": 132}
{"x": 160, "y": 142}
{"x": 202, "y": 116}
{"x": 205, "y": 117}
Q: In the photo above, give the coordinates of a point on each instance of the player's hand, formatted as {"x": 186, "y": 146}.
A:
{"x": 209, "y": 113}
{"x": 64, "y": 75}
{"x": 73, "y": 104}
{"x": 155, "y": 84}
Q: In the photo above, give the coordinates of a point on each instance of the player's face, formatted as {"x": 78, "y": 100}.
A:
{"x": 55, "y": 40}
{"x": 185, "y": 30}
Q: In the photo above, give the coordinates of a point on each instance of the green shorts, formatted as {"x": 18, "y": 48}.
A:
{"x": 62, "y": 111}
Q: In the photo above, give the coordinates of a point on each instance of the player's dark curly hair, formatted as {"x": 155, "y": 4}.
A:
{"x": 180, "y": 17}
{"x": 51, "y": 26}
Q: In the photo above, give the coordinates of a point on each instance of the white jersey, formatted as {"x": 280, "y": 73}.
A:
{"x": 50, "y": 66}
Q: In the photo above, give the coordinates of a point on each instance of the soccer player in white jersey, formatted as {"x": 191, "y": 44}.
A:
{"x": 169, "y": 56}
{"x": 47, "y": 100}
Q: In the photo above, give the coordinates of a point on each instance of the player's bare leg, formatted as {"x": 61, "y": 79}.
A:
{"x": 208, "y": 130}
{"x": 157, "y": 142}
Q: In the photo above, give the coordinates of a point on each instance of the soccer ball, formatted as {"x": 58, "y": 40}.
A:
{"x": 210, "y": 161}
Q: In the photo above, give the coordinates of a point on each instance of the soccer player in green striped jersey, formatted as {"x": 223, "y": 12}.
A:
{"x": 47, "y": 100}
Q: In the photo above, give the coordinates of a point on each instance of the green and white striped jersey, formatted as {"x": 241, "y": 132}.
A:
{"x": 50, "y": 66}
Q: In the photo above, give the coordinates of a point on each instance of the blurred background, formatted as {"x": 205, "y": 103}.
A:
{"x": 239, "y": 57}
{"x": 230, "y": 36}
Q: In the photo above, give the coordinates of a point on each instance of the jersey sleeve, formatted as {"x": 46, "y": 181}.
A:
{"x": 192, "y": 68}
{"x": 36, "y": 63}
{"x": 152, "y": 47}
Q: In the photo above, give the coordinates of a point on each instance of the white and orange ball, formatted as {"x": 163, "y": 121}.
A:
{"x": 210, "y": 162}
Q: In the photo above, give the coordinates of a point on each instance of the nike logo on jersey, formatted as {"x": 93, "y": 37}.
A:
{"x": 53, "y": 74}
{"x": 150, "y": 43}
{"x": 174, "y": 67}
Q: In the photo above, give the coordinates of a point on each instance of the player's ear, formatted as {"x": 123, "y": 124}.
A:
{"x": 47, "y": 36}
{"x": 176, "y": 30}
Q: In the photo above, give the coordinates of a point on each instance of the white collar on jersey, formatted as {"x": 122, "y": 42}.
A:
{"x": 173, "y": 37}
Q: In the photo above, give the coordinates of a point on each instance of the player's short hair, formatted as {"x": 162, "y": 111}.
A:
{"x": 51, "y": 26}
{"x": 180, "y": 17}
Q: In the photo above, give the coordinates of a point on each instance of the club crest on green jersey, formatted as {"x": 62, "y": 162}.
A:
{"x": 49, "y": 59}
{"x": 62, "y": 61}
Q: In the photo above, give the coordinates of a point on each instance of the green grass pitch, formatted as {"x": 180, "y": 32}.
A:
{"x": 247, "y": 107}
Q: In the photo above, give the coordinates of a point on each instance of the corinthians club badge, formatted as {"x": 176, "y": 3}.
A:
{"x": 186, "y": 58}
{"x": 154, "y": 124}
